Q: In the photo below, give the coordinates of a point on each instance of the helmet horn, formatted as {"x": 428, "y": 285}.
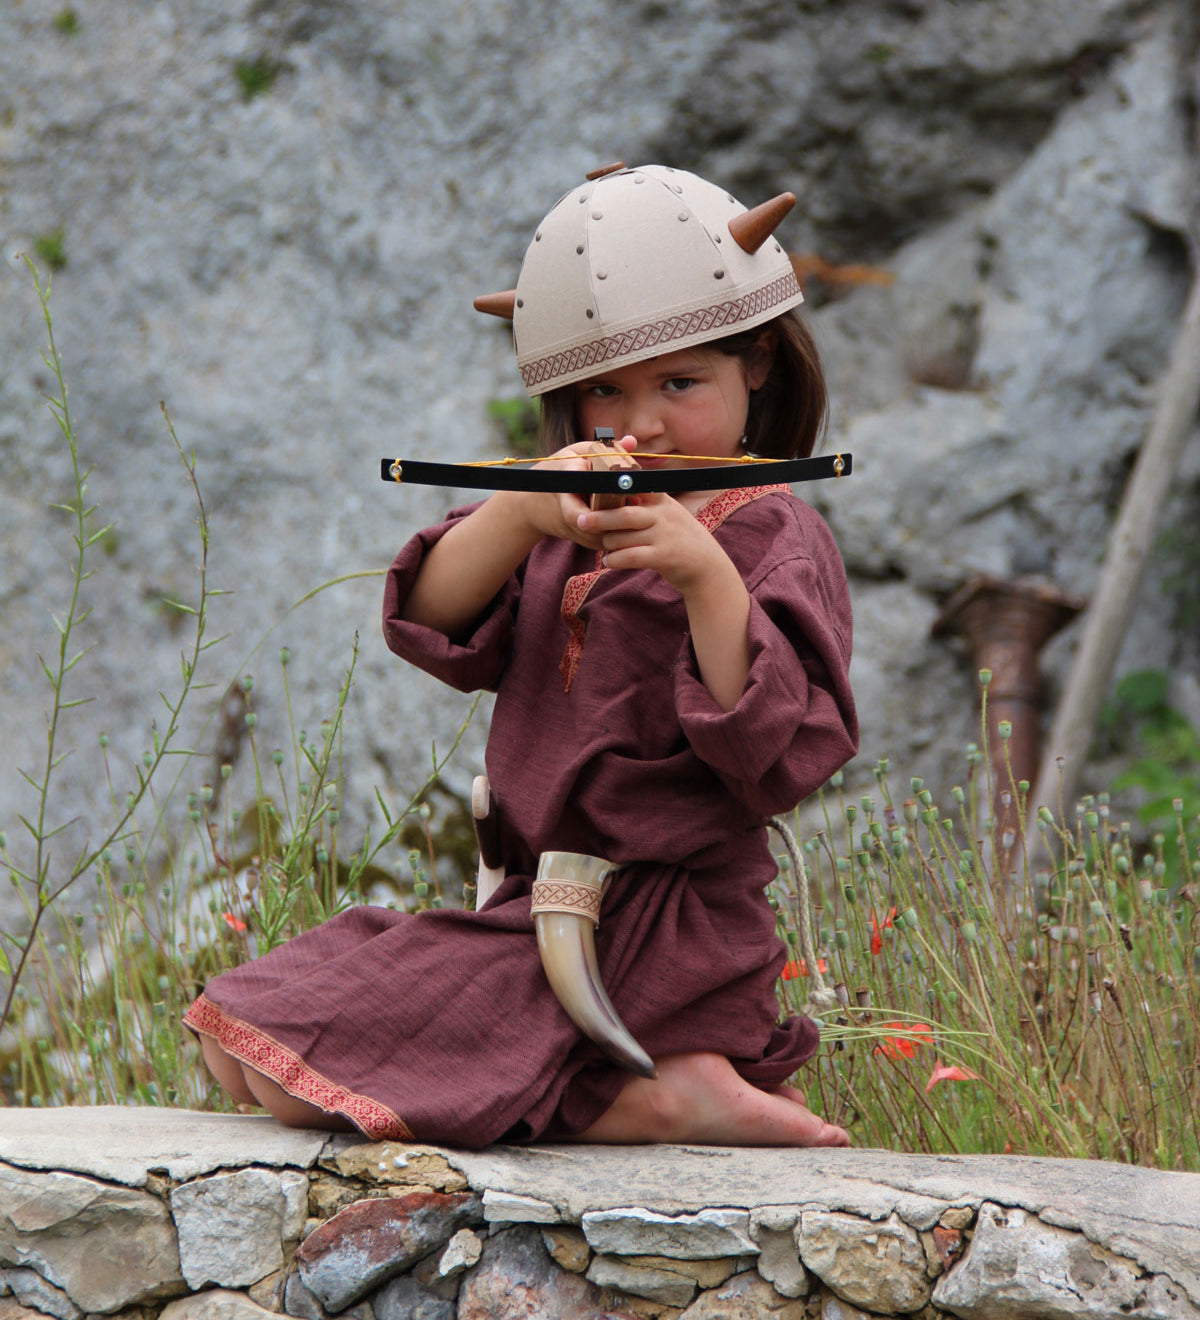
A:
{"x": 751, "y": 229}
{"x": 498, "y": 304}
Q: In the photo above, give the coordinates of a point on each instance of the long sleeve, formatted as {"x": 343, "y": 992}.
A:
{"x": 476, "y": 660}
{"x": 795, "y": 723}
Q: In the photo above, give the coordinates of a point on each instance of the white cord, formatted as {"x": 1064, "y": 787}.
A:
{"x": 821, "y": 996}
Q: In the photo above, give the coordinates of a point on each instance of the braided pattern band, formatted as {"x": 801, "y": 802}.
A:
{"x": 711, "y": 320}
{"x": 566, "y": 896}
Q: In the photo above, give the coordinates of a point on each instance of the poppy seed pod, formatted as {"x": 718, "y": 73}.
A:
{"x": 638, "y": 262}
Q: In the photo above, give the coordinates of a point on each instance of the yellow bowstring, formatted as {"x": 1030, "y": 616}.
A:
{"x": 563, "y": 458}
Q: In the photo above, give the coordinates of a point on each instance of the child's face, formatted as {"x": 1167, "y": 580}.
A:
{"x": 693, "y": 401}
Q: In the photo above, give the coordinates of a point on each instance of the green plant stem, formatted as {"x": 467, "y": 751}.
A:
{"x": 39, "y": 874}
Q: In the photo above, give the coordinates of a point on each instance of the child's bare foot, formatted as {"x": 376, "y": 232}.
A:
{"x": 701, "y": 1098}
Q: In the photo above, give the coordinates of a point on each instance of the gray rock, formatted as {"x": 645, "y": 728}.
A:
{"x": 428, "y": 1273}
{"x": 635, "y": 1232}
{"x": 1146, "y": 1220}
{"x": 233, "y": 1226}
{"x": 462, "y": 1251}
{"x": 779, "y": 1259}
{"x": 11, "y": 1309}
{"x": 511, "y": 1208}
{"x": 833, "y": 1308}
{"x": 776, "y": 1218}
{"x": 120, "y": 1143}
{"x": 950, "y": 440}
{"x": 405, "y": 1299}
{"x": 300, "y": 1301}
{"x": 215, "y": 1304}
{"x": 674, "y": 1179}
{"x": 630, "y": 1276}
{"x": 1019, "y": 1268}
{"x": 1038, "y": 264}
{"x": 516, "y": 1279}
{"x": 31, "y": 1290}
{"x": 663, "y": 1279}
{"x": 878, "y": 1266}
{"x": 744, "y": 1297}
{"x": 106, "y": 1247}
{"x": 371, "y": 1241}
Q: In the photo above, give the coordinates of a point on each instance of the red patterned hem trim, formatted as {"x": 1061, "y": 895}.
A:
{"x": 258, "y": 1051}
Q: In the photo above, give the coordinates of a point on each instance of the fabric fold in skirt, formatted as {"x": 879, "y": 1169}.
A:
{"x": 440, "y": 1026}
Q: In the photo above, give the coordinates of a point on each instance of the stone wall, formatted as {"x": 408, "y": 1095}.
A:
{"x": 139, "y": 1213}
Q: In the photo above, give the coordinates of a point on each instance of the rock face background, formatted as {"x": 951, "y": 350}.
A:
{"x": 292, "y": 273}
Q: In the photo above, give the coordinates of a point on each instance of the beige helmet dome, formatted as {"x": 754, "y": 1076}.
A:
{"x": 638, "y": 262}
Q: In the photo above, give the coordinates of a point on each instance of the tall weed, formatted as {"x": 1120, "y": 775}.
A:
{"x": 1053, "y": 1012}
{"x": 185, "y": 882}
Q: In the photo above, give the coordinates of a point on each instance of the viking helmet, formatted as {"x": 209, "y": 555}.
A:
{"x": 638, "y": 262}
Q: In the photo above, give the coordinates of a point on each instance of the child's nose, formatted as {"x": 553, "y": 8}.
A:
{"x": 644, "y": 421}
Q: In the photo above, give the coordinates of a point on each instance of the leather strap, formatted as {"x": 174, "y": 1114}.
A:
{"x": 569, "y": 896}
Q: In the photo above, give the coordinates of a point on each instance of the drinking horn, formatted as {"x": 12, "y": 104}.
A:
{"x": 566, "y": 913}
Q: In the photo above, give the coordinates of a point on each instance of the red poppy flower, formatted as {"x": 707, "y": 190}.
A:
{"x": 904, "y": 1046}
{"x": 877, "y": 930}
{"x": 234, "y": 923}
{"x": 953, "y": 1073}
{"x": 798, "y": 967}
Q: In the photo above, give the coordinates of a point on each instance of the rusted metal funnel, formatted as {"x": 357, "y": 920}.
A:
{"x": 1005, "y": 623}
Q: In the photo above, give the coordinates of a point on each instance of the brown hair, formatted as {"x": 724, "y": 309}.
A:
{"x": 788, "y": 412}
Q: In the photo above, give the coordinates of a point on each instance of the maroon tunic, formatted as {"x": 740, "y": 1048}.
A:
{"x": 441, "y": 1025}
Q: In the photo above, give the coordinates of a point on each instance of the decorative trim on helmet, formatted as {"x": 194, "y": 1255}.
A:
{"x": 636, "y": 343}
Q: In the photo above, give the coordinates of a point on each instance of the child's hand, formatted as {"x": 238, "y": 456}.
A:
{"x": 559, "y": 514}
{"x": 655, "y": 531}
{"x": 469, "y": 565}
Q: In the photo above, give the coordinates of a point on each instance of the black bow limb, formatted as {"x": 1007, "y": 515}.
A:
{"x": 622, "y": 481}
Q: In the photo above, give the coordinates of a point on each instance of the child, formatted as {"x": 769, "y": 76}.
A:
{"x": 669, "y": 674}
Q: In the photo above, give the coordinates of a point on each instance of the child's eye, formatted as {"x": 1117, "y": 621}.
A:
{"x": 677, "y": 384}
{"x": 598, "y": 390}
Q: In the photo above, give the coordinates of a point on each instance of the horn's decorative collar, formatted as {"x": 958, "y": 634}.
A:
{"x": 506, "y": 474}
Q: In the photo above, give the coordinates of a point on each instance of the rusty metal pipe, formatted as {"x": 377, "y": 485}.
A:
{"x": 1005, "y": 623}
